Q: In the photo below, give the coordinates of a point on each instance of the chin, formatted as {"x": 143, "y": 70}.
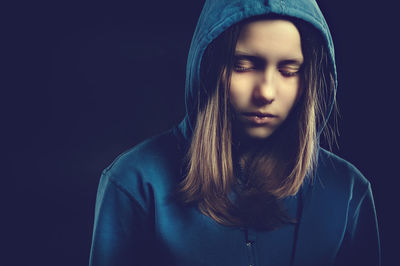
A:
{"x": 259, "y": 133}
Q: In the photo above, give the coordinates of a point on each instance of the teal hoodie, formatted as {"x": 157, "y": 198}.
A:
{"x": 138, "y": 221}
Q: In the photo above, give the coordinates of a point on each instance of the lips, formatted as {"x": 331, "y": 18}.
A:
{"x": 258, "y": 118}
{"x": 258, "y": 114}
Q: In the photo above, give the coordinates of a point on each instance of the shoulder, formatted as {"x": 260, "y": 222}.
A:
{"x": 337, "y": 174}
{"x": 336, "y": 192}
{"x": 155, "y": 149}
{"x": 150, "y": 165}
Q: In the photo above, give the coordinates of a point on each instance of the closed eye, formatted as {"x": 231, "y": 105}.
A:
{"x": 290, "y": 68}
{"x": 246, "y": 63}
{"x": 242, "y": 68}
{"x": 289, "y": 73}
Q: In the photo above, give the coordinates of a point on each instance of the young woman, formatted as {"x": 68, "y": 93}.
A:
{"x": 242, "y": 180}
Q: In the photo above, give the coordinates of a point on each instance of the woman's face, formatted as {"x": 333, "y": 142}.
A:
{"x": 265, "y": 81}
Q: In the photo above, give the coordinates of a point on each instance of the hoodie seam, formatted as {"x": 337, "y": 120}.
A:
{"x": 283, "y": 6}
{"x": 124, "y": 191}
{"x": 357, "y": 209}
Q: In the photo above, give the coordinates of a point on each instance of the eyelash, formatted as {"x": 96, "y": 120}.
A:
{"x": 242, "y": 69}
{"x": 288, "y": 73}
{"x": 247, "y": 69}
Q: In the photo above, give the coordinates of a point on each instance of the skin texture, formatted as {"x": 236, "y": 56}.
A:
{"x": 265, "y": 81}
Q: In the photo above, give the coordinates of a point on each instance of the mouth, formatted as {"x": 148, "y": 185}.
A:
{"x": 258, "y": 114}
{"x": 258, "y": 118}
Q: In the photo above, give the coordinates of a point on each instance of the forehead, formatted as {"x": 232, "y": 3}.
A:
{"x": 270, "y": 38}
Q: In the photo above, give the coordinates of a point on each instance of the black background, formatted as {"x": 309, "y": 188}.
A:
{"x": 84, "y": 81}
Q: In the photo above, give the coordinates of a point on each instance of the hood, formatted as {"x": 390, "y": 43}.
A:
{"x": 219, "y": 15}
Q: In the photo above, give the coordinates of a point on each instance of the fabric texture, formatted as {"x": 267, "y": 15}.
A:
{"x": 139, "y": 222}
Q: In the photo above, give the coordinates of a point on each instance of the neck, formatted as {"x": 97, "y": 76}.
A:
{"x": 245, "y": 148}
{"x": 243, "y": 145}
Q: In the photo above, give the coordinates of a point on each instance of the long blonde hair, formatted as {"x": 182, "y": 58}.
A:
{"x": 276, "y": 168}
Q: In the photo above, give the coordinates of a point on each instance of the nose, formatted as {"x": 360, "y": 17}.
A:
{"x": 265, "y": 89}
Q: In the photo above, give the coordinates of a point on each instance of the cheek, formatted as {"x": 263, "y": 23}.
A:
{"x": 300, "y": 89}
{"x": 290, "y": 94}
{"x": 240, "y": 91}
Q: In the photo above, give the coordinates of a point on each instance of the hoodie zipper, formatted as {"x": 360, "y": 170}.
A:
{"x": 250, "y": 237}
{"x": 250, "y": 247}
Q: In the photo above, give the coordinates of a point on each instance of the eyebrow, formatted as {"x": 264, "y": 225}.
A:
{"x": 252, "y": 58}
{"x": 295, "y": 62}
{"x": 256, "y": 58}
